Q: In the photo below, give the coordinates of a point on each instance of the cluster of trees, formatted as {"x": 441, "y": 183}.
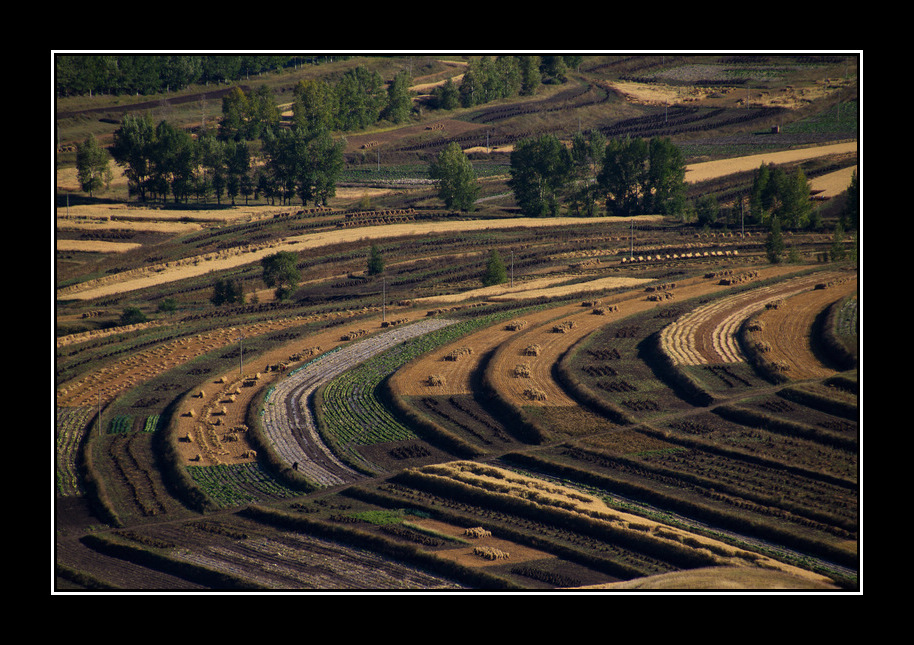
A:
{"x": 78, "y": 74}
{"x": 162, "y": 160}
{"x": 627, "y": 176}
{"x": 489, "y": 79}
{"x": 777, "y": 194}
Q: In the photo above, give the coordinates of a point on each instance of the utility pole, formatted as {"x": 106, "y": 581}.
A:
{"x": 631, "y": 242}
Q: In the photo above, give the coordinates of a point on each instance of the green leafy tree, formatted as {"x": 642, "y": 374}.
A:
{"x": 263, "y": 112}
{"x": 313, "y": 107}
{"x": 457, "y": 182}
{"x": 707, "y": 210}
{"x": 360, "y": 99}
{"x": 375, "y": 261}
{"x": 447, "y": 96}
{"x": 850, "y": 214}
{"x": 93, "y": 166}
{"x": 237, "y": 167}
{"x": 540, "y": 170}
{"x": 774, "y": 244}
{"x": 227, "y": 291}
{"x": 173, "y": 161}
{"x": 495, "y": 273}
{"x": 132, "y": 149}
{"x": 587, "y": 153}
{"x": 665, "y": 185}
{"x": 280, "y": 270}
{"x": 235, "y": 111}
{"x": 399, "y": 102}
{"x": 132, "y": 316}
{"x": 624, "y": 175}
{"x": 531, "y": 78}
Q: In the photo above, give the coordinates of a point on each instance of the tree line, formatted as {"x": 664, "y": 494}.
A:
{"x": 115, "y": 74}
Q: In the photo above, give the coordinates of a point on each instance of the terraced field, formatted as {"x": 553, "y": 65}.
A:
{"x": 647, "y": 403}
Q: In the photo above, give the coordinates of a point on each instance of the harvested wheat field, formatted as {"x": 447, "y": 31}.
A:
{"x": 712, "y": 169}
{"x": 708, "y": 334}
{"x": 511, "y": 485}
{"x": 157, "y": 274}
{"x": 786, "y": 329}
{"x": 554, "y": 338}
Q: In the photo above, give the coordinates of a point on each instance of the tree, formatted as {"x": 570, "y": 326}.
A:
{"x": 530, "y": 75}
{"x": 226, "y": 291}
{"x": 132, "y": 316}
{"x": 313, "y": 105}
{"x": 361, "y": 98}
{"x": 495, "y": 270}
{"x": 641, "y": 177}
{"x": 457, "y": 181}
{"x": 375, "y": 261}
{"x": 237, "y": 167}
{"x": 707, "y": 210}
{"x": 624, "y": 176}
{"x": 399, "y": 103}
{"x": 447, "y": 96}
{"x": 665, "y": 185}
{"x": 540, "y": 169}
{"x": 92, "y": 166}
{"x": 774, "y": 245}
{"x": 235, "y": 111}
{"x": 173, "y": 161}
{"x": 132, "y": 149}
{"x": 851, "y": 211}
{"x": 587, "y": 152}
{"x": 280, "y": 270}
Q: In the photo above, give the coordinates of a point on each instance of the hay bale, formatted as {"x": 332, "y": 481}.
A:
{"x": 532, "y": 350}
{"x": 477, "y": 532}
{"x": 522, "y": 371}
{"x": 534, "y": 394}
{"x": 435, "y": 380}
{"x": 490, "y": 553}
{"x": 516, "y": 325}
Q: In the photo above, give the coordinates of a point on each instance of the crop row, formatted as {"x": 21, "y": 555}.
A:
{"x": 684, "y": 339}
{"x": 288, "y": 421}
{"x": 353, "y": 414}
{"x": 234, "y": 484}
{"x": 71, "y": 428}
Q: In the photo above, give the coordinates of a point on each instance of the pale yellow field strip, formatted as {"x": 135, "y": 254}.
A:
{"x": 97, "y": 246}
{"x": 713, "y": 169}
{"x": 193, "y": 267}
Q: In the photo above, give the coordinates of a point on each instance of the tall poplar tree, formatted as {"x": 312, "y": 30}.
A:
{"x": 93, "y": 168}
{"x": 457, "y": 182}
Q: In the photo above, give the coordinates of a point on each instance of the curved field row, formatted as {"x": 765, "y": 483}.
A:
{"x": 110, "y": 381}
{"x": 453, "y": 365}
{"x": 539, "y": 387}
{"x": 708, "y": 334}
{"x": 71, "y": 426}
{"x": 787, "y": 330}
{"x": 296, "y": 561}
{"x": 288, "y": 421}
